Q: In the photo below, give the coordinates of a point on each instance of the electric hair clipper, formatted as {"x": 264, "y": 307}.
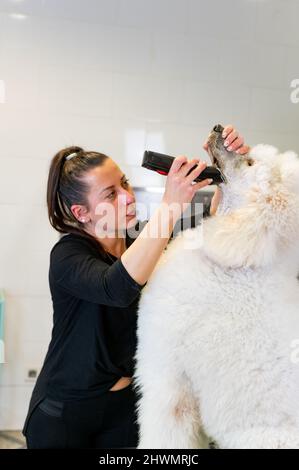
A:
{"x": 161, "y": 164}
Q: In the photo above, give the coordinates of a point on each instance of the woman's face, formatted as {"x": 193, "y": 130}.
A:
{"x": 111, "y": 201}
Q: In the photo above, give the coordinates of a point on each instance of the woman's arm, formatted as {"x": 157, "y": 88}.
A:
{"x": 142, "y": 256}
{"x": 215, "y": 201}
{"x": 75, "y": 270}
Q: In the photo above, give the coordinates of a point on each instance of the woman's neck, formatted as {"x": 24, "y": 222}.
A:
{"x": 116, "y": 245}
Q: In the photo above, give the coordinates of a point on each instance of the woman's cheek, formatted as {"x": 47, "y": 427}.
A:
{"x": 106, "y": 220}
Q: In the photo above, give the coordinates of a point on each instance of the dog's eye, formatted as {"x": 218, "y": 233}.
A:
{"x": 250, "y": 162}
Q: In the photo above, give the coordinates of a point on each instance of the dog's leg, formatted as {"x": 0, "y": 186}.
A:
{"x": 169, "y": 417}
{"x": 262, "y": 438}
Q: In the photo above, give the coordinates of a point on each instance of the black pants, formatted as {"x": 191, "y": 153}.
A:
{"x": 107, "y": 421}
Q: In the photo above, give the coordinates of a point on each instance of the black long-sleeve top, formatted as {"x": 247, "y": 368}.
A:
{"x": 93, "y": 340}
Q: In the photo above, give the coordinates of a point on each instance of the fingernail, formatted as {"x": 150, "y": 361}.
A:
{"x": 229, "y": 148}
{"x": 210, "y": 180}
{"x": 226, "y": 143}
{"x": 224, "y": 134}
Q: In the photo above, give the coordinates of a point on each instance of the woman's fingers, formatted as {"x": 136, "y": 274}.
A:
{"x": 236, "y": 144}
{"x": 177, "y": 164}
{"x": 180, "y": 188}
{"x": 233, "y": 141}
{"x": 196, "y": 172}
{"x": 227, "y": 130}
{"x": 244, "y": 149}
{"x": 186, "y": 167}
{"x": 232, "y": 136}
{"x": 202, "y": 184}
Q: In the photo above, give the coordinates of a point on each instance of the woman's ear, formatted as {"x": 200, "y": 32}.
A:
{"x": 80, "y": 212}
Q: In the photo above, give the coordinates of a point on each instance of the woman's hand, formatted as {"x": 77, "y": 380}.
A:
{"x": 179, "y": 188}
{"x": 233, "y": 142}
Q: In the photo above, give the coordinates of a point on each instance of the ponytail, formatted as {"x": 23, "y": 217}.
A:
{"x": 66, "y": 187}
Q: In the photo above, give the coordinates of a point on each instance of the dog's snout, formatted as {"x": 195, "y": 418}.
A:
{"x": 218, "y": 128}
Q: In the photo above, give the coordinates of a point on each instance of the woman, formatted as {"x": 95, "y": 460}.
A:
{"x": 84, "y": 395}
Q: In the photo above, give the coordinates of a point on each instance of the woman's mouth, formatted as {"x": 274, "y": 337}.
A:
{"x": 132, "y": 213}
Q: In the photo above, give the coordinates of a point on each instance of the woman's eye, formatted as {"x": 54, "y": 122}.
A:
{"x": 113, "y": 193}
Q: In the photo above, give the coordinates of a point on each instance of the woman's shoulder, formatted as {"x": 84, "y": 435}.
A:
{"x": 70, "y": 238}
{"x": 73, "y": 241}
{"x": 80, "y": 242}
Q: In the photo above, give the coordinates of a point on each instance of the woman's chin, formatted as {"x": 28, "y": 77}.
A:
{"x": 131, "y": 220}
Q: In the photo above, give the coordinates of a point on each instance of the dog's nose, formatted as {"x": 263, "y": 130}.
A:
{"x": 218, "y": 128}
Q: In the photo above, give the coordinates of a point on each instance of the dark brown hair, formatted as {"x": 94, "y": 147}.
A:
{"x": 66, "y": 187}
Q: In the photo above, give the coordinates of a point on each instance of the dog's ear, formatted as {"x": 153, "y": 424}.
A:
{"x": 256, "y": 234}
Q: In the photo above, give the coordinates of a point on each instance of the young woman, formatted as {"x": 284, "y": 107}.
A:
{"x": 84, "y": 396}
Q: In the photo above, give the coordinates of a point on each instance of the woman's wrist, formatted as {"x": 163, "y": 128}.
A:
{"x": 165, "y": 217}
{"x": 143, "y": 254}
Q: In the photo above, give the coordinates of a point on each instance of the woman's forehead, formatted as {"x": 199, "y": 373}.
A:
{"x": 104, "y": 175}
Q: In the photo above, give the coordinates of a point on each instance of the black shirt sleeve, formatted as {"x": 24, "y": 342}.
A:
{"x": 84, "y": 275}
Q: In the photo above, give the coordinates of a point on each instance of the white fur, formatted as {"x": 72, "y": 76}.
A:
{"x": 216, "y": 322}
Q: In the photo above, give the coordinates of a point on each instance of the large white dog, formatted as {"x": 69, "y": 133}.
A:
{"x": 218, "y": 325}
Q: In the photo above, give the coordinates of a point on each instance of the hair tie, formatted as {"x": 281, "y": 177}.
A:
{"x": 71, "y": 155}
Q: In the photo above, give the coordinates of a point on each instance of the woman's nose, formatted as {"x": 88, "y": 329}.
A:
{"x": 128, "y": 197}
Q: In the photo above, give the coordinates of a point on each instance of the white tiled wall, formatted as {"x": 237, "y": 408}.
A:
{"x": 120, "y": 76}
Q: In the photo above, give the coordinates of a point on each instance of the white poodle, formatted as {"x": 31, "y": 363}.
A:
{"x": 218, "y": 325}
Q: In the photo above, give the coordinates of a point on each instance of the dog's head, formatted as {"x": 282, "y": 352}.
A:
{"x": 227, "y": 162}
{"x": 237, "y": 172}
{"x": 258, "y": 214}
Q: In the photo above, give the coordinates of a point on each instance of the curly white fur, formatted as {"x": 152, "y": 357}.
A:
{"x": 217, "y": 323}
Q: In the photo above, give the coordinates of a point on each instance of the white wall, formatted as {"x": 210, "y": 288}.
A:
{"x": 120, "y": 76}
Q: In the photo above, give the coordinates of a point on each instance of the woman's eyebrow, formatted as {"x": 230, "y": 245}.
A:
{"x": 112, "y": 186}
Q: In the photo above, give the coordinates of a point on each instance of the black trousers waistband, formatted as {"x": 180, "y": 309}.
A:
{"x": 107, "y": 421}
